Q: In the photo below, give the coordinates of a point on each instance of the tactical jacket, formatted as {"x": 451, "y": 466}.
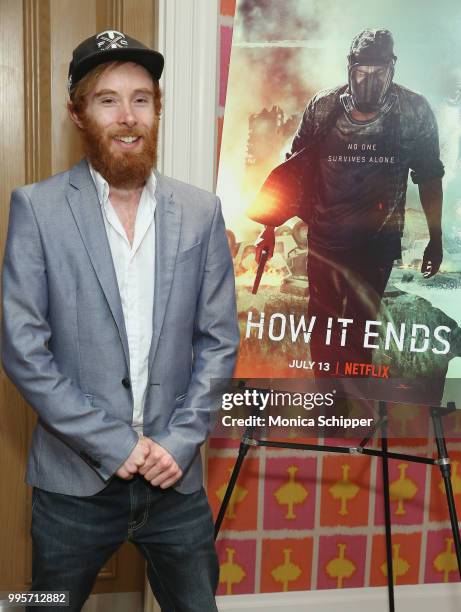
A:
{"x": 411, "y": 127}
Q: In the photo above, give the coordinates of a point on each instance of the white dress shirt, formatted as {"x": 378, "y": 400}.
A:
{"x": 135, "y": 270}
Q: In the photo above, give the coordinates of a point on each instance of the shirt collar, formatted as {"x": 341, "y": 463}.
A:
{"x": 102, "y": 186}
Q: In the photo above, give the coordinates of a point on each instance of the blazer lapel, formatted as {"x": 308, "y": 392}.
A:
{"x": 86, "y": 209}
{"x": 167, "y": 231}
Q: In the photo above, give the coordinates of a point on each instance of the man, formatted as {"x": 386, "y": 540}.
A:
{"x": 350, "y": 159}
{"x": 119, "y": 310}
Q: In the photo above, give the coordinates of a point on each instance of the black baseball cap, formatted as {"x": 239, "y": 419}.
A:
{"x": 109, "y": 46}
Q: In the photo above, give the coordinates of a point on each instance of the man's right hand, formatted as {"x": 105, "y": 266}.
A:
{"x": 432, "y": 258}
{"x": 135, "y": 460}
{"x": 265, "y": 242}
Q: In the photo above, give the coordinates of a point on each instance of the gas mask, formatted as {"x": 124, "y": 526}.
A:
{"x": 369, "y": 85}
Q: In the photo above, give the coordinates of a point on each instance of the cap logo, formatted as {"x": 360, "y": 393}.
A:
{"x": 111, "y": 39}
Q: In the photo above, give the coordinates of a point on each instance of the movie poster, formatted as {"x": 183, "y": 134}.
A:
{"x": 342, "y": 131}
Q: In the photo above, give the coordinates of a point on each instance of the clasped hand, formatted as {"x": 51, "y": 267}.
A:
{"x": 151, "y": 461}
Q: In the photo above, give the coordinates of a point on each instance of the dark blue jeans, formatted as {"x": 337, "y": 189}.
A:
{"x": 73, "y": 537}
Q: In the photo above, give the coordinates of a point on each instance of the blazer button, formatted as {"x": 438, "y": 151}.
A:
{"x": 126, "y": 383}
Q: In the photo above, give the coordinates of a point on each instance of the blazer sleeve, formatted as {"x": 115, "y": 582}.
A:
{"x": 62, "y": 407}
{"x": 215, "y": 343}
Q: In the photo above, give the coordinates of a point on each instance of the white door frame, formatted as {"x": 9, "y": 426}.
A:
{"x": 188, "y": 36}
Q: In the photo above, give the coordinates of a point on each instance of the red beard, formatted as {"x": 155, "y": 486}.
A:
{"x": 121, "y": 169}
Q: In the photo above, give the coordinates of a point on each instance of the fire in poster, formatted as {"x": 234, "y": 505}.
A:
{"x": 357, "y": 107}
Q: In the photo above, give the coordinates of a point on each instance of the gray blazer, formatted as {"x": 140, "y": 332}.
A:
{"x": 64, "y": 341}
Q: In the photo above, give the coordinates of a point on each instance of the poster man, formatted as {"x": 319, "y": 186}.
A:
{"x": 350, "y": 160}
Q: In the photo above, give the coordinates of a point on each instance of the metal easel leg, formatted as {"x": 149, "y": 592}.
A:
{"x": 387, "y": 505}
{"x": 245, "y": 444}
{"x": 445, "y": 469}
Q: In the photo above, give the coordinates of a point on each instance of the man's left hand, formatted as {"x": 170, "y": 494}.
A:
{"x": 432, "y": 258}
{"x": 160, "y": 469}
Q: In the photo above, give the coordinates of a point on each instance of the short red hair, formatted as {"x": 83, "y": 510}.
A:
{"x": 80, "y": 91}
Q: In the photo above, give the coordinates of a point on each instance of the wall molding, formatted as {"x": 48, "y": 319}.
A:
{"x": 37, "y": 89}
{"x": 115, "y": 11}
{"x": 109, "y": 13}
{"x": 188, "y": 38}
